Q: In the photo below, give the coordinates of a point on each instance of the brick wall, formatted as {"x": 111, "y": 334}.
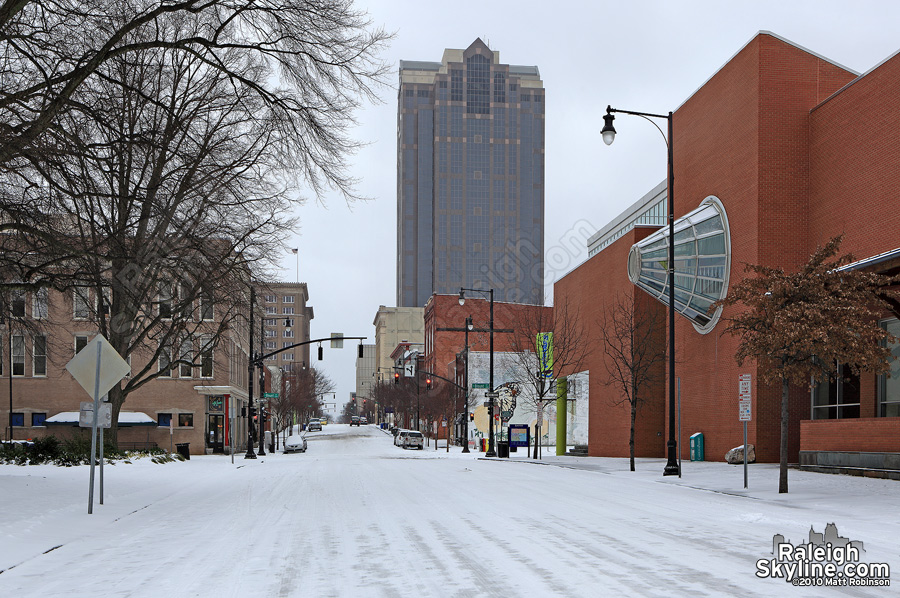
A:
{"x": 875, "y": 434}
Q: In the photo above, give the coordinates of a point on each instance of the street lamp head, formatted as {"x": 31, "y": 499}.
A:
{"x": 609, "y": 131}
{"x": 469, "y": 324}
{"x": 462, "y": 297}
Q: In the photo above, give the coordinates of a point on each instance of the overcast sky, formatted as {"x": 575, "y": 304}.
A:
{"x": 643, "y": 56}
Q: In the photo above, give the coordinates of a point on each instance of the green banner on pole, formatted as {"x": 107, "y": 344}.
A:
{"x": 545, "y": 353}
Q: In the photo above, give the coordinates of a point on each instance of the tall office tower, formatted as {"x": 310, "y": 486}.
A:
{"x": 470, "y": 177}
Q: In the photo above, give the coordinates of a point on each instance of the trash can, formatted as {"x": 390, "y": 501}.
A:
{"x": 697, "y": 446}
{"x": 503, "y": 449}
{"x": 183, "y": 449}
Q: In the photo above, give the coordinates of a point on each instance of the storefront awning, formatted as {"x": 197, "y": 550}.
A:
{"x": 127, "y": 419}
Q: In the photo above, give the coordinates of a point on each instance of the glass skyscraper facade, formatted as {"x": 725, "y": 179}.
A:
{"x": 470, "y": 178}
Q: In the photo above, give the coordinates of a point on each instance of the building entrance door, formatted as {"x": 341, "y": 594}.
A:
{"x": 215, "y": 433}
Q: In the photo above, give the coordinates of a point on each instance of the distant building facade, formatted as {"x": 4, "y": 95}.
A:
{"x": 286, "y": 321}
{"x": 395, "y": 325}
{"x": 365, "y": 372}
{"x": 470, "y": 172}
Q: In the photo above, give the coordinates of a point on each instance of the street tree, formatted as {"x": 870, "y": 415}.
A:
{"x": 798, "y": 325}
{"x": 632, "y": 338}
{"x": 571, "y": 348}
{"x": 171, "y": 183}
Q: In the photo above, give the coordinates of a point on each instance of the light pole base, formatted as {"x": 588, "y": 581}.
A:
{"x": 250, "y": 455}
{"x": 672, "y": 459}
{"x": 490, "y": 454}
{"x": 465, "y": 449}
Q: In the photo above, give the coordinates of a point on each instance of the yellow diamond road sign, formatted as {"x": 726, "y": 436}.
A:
{"x": 83, "y": 366}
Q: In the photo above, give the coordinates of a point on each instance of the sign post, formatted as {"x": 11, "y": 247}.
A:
{"x": 745, "y": 398}
{"x": 87, "y": 372}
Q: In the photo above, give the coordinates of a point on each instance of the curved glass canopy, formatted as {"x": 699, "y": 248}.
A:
{"x": 702, "y": 263}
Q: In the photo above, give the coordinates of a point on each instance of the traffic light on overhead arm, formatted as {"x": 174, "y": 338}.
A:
{"x": 396, "y": 377}
{"x": 320, "y": 352}
{"x": 359, "y": 352}
{"x": 428, "y": 383}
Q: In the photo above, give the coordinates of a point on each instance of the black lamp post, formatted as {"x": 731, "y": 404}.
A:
{"x": 250, "y": 454}
{"x": 609, "y": 134}
{"x": 490, "y": 394}
{"x": 468, "y": 327}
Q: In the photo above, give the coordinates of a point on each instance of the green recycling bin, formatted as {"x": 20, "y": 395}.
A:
{"x": 697, "y": 446}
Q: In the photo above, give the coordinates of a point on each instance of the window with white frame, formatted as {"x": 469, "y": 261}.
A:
{"x": 206, "y": 305}
{"x": 269, "y": 333}
{"x": 271, "y": 309}
{"x": 17, "y": 304}
{"x": 81, "y": 302}
{"x": 165, "y": 361}
{"x": 41, "y": 307}
{"x": 289, "y": 322}
{"x": 288, "y": 311}
{"x": 287, "y": 299}
{"x": 271, "y": 345}
{"x": 186, "y": 356}
{"x": 287, "y": 356}
{"x": 39, "y": 355}
{"x": 271, "y": 298}
{"x": 288, "y": 334}
{"x": 166, "y": 295}
{"x": 270, "y": 321}
{"x": 81, "y": 341}
{"x": 18, "y": 355}
{"x": 206, "y": 357}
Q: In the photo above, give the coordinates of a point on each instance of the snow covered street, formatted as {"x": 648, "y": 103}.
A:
{"x": 357, "y": 516}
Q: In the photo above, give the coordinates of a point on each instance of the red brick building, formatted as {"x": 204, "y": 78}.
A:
{"x": 796, "y": 149}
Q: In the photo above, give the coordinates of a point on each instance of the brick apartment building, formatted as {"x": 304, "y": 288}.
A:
{"x": 790, "y": 149}
{"x": 186, "y": 405}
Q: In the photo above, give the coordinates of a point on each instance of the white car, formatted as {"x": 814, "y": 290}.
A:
{"x": 413, "y": 439}
{"x": 398, "y": 437}
{"x": 295, "y": 443}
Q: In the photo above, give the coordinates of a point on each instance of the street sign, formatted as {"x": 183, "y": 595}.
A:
{"x": 492, "y": 395}
{"x": 337, "y": 340}
{"x": 409, "y": 370}
{"x": 506, "y": 415}
{"x": 744, "y": 411}
{"x": 86, "y": 415}
{"x": 745, "y": 397}
{"x": 83, "y": 366}
{"x": 270, "y": 395}
{"x": 480, "y": 385}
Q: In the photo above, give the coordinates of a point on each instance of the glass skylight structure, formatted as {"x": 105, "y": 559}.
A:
{"x": 702, "y": 263}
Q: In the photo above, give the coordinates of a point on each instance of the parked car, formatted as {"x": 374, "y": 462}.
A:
{"x": 314, "y": 425}
{"x": 399, "y": 436}
{"x": 354, "y": 421}
{"x": 413, "y": 439}
{"x": 364, "y": 420}
{"x": 295, "y": 444}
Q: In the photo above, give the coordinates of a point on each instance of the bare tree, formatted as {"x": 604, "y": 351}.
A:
{"x": 171, "y": 182}
{"x": 632, "y": 335}
{"x": 316, "y": 59}
{"x": 798, "y": 325}
{"x": 571, "y": 348}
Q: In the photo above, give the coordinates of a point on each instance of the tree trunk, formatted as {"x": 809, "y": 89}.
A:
{"x": 631, "y": 436}
{"x": 783, "y": 469}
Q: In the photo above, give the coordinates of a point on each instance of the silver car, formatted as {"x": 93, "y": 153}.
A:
{"x": 295, "y": 444}
{"x": 413, "y": 439}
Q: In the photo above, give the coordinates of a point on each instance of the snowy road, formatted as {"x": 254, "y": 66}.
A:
{"x": 356, "y": 516}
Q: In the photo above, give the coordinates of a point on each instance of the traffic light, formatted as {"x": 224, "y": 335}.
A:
{"x": 320, "y": 353}
{"x": 428, "y": 383}
{"x": 396, "y": 377}
{"x": 471, "y": 417}
{"x": 360, "y": 351}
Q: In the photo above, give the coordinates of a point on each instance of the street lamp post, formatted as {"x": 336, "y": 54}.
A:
{"x": 468, "y": 327}
{"x": 609, "y": 134}
{"x": 462, "y": 301}
{"x": 250, "y": 454}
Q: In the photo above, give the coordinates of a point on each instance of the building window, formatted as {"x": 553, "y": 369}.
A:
{"x": 271, "y": 309}
{"x": 41, "y": 307}
{"x": 289, "y": 322}
{"x": 837, "y": 398}
{"x": 81, "y": 342}
{"x": 17, "y": 304}
{"x": 271, "y": 298}
{"x": 287, "y": 356}
{"x": 288, "y": 311}
{"x": 18, "y": 420}
{"x": 288, "y": 334}
{"x": 164, "y": 420}
{"x": 889, "y": 384}
{"x": 165, "y": 361}
{"x": 39, "y": 364}
{"x": 165, "y": 300}
{"x": 206, "y": 358}
{"x": 18, "y": 356}
{"x": 287, "y": 299}
{"x": 269, "y": 333}
{"x": 38, "y": 419}
{"x": 80, "y": 299}
{"x": 271, "y": 345}
{"x": 185, "y": 369}
{"x": 269, "y": 321}
{"x": 206, "y": 305}
{"x": 185, "y": 420}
